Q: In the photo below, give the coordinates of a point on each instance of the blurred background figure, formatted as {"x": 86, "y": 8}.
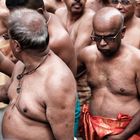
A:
{"x": 137, "y": 9}
{"x": 53, "y": 5}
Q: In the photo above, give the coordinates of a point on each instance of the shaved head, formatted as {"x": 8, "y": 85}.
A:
{"x": 108, "y": 17}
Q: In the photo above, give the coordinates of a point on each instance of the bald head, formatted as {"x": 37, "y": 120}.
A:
{"x": 108, "y": 17}
{"x": 29, "y": 28}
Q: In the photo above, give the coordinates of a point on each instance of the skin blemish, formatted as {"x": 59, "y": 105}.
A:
{"x": 122, "y": 90}
{"x": 63, "y": 107}
{"x": 67, "y": 125}
{"x": 25, "y": 110}
{"x": 9, "y": 118}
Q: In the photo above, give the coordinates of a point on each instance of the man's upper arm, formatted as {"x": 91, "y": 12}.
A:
{"x": 67, "y": 53}
{"x": 61, "y": 108}
{"x": 84, "y": 32}
{"x": 4, "y": 91}
{"x": 83, "y": 54}
{"x": 59, "y": 12}
{"x": 6, "y": 65}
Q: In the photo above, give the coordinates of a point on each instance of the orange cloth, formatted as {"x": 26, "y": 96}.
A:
{"x": 96, "y": 127}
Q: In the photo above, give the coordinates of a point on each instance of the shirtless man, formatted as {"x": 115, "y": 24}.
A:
{"x": 6, "y": 66}
{"x": 53, "y": 5}
{"x": 4, "y": 44}
{"x": 41, "y": 103}
{"x": 73, "y": 16}
{"x": 137, "y": 8}
{"x": 59, "y": 41}
{"x": 114, "y": 77}
{"x": 132, "y": 23}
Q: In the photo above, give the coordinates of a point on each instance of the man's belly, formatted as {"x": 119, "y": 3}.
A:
{"x": 15, "y": 126}
{"x": 110, "y": 105}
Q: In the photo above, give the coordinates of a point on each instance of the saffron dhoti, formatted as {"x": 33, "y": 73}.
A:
{"x": 97, "y": 127}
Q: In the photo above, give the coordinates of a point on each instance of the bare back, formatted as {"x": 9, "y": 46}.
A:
{"x": 29, "y": 114}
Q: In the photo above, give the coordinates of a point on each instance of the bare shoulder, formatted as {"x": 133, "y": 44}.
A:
{"x": 3, "y": 9}
{"x": 89, "y": 13}
{"x": 60, "y": 79}
{"x": 133, "y": 50}
{"x": 56, "y": 26}
{"x": 55, "y": 20}
{"x": 134, "y": 54}
{"x": 60, "y": 11}
{"x": 4, "y": 13}
{"x": 58, "y": 69}
{"x": 88, "y": 53}
{"x": 59, "y": 37}
{"x": 87, "y": 18}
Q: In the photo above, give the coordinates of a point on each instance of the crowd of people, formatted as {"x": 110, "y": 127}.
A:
{"x": 73, "y": 68}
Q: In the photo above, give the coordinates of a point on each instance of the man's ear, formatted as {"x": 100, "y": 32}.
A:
{"x": 40, "y": 10}
{"x": 17, "y": 46}
{"x": 123, "y": 31}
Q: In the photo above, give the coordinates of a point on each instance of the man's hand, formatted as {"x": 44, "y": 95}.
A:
{"x": 114, "y": 137}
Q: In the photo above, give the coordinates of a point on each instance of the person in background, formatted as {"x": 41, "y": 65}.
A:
{"x": 53, "y": 5}
{"x": 132, "y": 23}
{"x": 59, "y": 40}
{"x": 137, "y": 8}
{"x": 96, "y": 5}
{"x": 73, "y": 17}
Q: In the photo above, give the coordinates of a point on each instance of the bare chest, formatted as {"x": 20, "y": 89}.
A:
{"x": 116, "y": 78}
{"x": 73, "y": 28}
{"x": 30, "y": 101}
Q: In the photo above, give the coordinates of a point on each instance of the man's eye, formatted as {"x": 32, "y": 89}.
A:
{"x": 125, "y": 1}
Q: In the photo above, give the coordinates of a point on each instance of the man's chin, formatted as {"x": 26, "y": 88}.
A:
{"x": 77, "y": 11}
{"x": 106, "y": 52}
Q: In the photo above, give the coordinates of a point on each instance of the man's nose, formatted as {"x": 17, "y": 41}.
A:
{"x": 103, "y": 43}
{"x": 119, "y": 5}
